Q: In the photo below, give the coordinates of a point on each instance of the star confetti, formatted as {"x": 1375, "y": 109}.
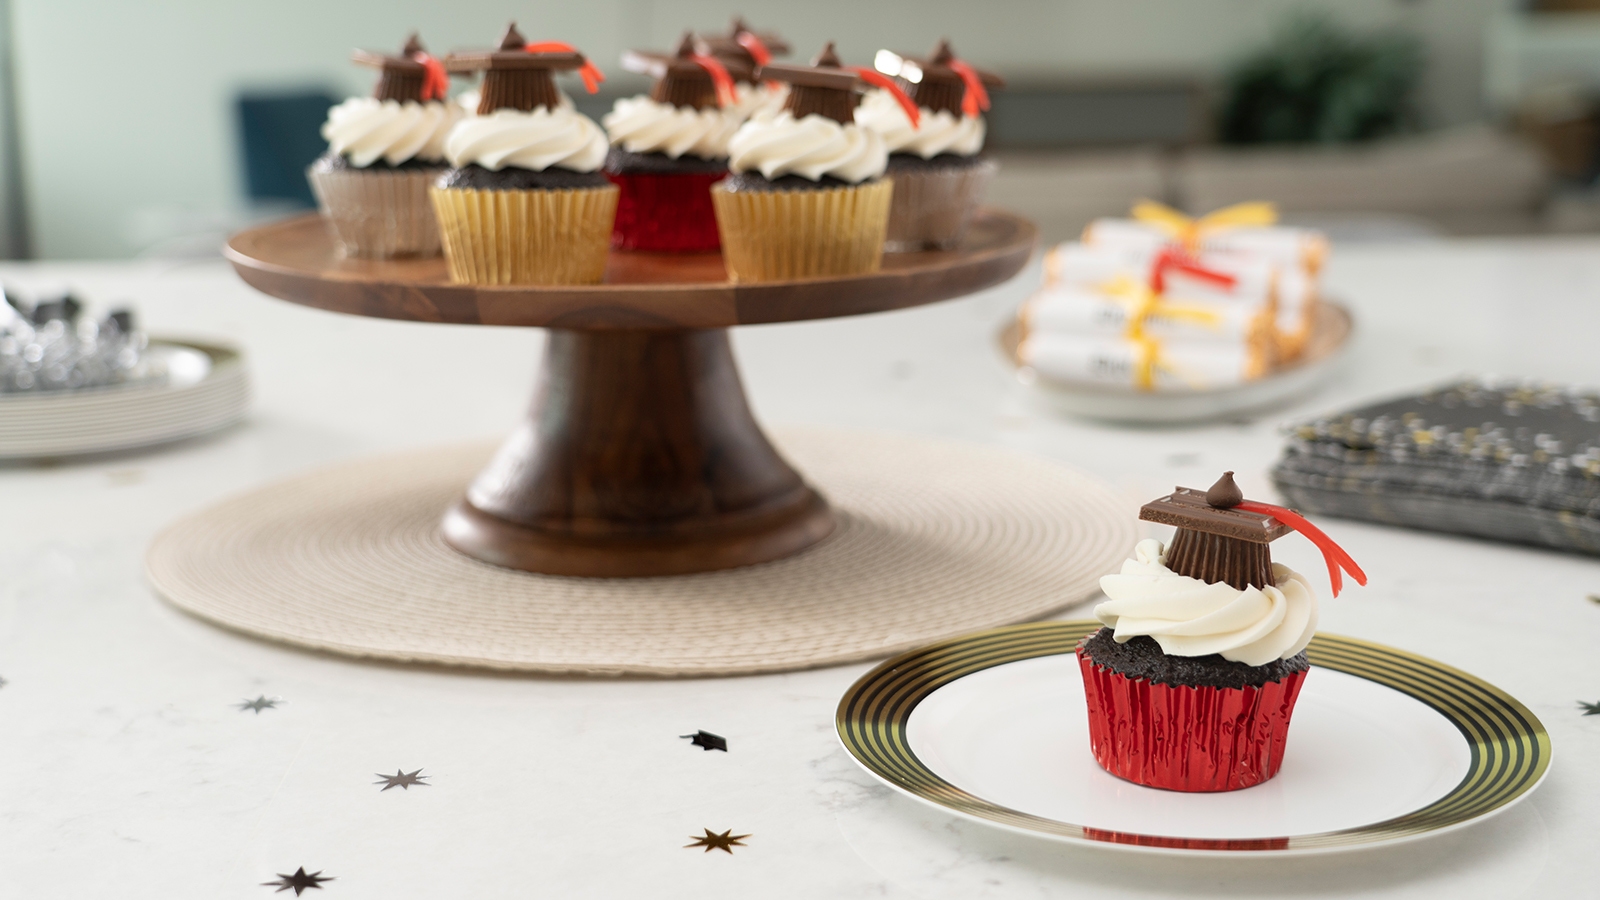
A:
{"x": 401, "y": 780}
{"x": 299, "y": 881}
{"x": 707, "y": 741}
{"x": 1589, "y": 709}
{"x": 2, "y": 682}
{"x": 259, "y": 703}
{"x": 725, "y": 841}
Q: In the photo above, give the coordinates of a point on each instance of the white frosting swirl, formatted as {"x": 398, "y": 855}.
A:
{"x": 1189, "y": 617}
{"x": 935, "y": 132}
{"x": 642, "y": 125}
{"x": 537, "y": 140}
{"x": 366, "y": 129}
{"x": 764, "y": 100}
{"x": 810, "y": 147}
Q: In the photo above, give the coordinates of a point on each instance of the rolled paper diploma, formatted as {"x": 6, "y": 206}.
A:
{"x": 1144, "y": 365}
{"x": 1070, "y": 309}
{"x": 1296, "y": 312}
{"x": 1299, "y": 248}
{"x": 1253, "y": 279}
{"x": 1076, "y": 263}
{"x": 1126, "y": 235}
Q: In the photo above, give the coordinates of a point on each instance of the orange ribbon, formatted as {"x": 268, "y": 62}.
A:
{"x": 720, "y": 79}
{"x": 589, "y": 72}
{"x": 976, "y": 98}
{"x": 435, "y": 81}
{"x": 1333, "y": 554}
{"x": 757, "y": 49}
{"x": 878, "y": 79}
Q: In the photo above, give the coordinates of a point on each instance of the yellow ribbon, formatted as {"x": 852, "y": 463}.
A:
{"x": 1190, "y": 231}
{"x": 1142, "y": 302}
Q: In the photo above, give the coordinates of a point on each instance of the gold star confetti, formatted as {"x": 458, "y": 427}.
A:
{"x": 300, "y": 881}
{"x": 401, "y": 780}
{"x": 260, "y": 703}
{"x": 725, "y": 841}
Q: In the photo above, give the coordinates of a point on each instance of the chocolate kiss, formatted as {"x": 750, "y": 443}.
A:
{"x": 942, "y": 55}
{"x": 413, "y": 46}
{"x": 1224, "y": 494}
{"x": 513, "y": 39}
{"x": 827, "y": 58}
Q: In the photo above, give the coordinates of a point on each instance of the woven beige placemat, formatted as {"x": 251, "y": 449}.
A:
{"x": 934, "y": 539}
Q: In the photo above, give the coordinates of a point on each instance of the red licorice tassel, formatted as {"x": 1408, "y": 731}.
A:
{"x": 589, "y": 72}
{"x": 878, "y": 79}
{"x": 720, "y": 79}
{"x": 976, "y": 97}
{"x": 758, "y": 50}
{"x": 1174, "y": 260}
{"x": 435, "y": 81}
{"x": 1332, "y": 553}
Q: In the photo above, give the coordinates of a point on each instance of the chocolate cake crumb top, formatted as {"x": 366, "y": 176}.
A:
{"x": 1141, "y": 659}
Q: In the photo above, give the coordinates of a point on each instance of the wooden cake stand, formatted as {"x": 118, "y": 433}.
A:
{"x": 639, "y": 455}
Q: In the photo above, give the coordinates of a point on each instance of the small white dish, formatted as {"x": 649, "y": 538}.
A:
{"x": 1113, "y": 403}
{"x": 1385, "y": 746}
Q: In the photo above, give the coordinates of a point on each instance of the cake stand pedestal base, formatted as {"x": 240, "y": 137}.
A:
{"x": 638, "y": 457}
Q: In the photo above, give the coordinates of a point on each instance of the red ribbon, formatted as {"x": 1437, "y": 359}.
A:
{"x": 1172, "y": 259}
{"x": 878, "y": 79}
{"x": 589, "y": 72}
{"x": 976, "y": 97}
{"x": 435, "y": 81}
{"x": 720, "y": 79}
{"x": 757, "y": 49}
{"x": 1332, "y": 553}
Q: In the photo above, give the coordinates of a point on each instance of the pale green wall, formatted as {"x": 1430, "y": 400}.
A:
{"x": 125, "y": 106}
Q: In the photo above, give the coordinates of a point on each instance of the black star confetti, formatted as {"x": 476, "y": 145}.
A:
{"x": 707, "y": 741}
{"x": 725, "y": 841}
{"x": 299, "y": 881}
{"x": 401, "y": 780}
{"x": 1589, "y": 709}
{"x": 259, "y": 703}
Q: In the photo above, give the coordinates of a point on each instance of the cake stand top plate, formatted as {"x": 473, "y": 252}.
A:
{"x": 298, "y": 260}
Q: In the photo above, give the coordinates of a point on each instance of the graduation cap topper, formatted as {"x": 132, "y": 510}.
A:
{"x": 1224, "y": 537}
{"x": 940, "y": 80}
{"x": 411, "y": 76}
{"x": 829, "y": 88}
{"x": 518, "y": 74}
{"x": 685, "y": 77}
{"x": 743, "y": 49}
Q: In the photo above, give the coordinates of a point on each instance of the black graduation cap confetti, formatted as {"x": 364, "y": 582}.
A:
{"x": 705, "y": 740}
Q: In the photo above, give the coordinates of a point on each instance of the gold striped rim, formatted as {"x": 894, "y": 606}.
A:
{"x": 1509, "y": 746}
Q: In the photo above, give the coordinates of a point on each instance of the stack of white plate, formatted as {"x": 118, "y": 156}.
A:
{"x": 207, "y": 389}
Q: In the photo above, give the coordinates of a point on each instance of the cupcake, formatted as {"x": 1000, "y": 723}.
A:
{"x": 383, "y": 153}
{"x": 1192, "y": 682}
{"x": 743, "y": 51}
{"x": 937, "y": 162}
{"x": 526, "y": 202}
{"x": 806, "y": 196}
{"x": 667, "y": 150}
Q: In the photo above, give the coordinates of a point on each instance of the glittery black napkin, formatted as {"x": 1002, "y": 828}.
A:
{"x": 1509, "y": 461}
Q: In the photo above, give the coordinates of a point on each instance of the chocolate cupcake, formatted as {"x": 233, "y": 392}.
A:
{"x": 806, "y": 196}
{"x": 743, "y": 51}
{"x": 383, "y": 153}
{"x": 1192, "y": 683}
{"x": 526, "y": 202}
{"x": 668, "y": 148}
{"x": 937, "y": 162}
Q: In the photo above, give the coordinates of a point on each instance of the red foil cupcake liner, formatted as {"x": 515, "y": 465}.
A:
{"x": 666, "y": 213}
{"x": 1184, "y": 738}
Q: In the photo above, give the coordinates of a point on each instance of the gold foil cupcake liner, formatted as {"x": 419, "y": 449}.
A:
{"x": 379, "y": 214}
{"x": 782, "y": 234}
{"x": 558, "y": 236}
{"x": 931, "y": 208}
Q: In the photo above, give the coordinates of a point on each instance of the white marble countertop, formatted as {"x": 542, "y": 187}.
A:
{"x": 126, "y": 769}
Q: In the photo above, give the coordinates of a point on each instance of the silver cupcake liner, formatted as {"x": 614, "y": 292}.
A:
{"x": 931, "y": 208}
{"x": 379, "y": 214}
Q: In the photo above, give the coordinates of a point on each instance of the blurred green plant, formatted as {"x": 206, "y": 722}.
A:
{"x": 1317, "y": 82}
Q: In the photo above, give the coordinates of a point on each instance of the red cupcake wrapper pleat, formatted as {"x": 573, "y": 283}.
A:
{"x": 1187, "y": 738}
{"x": 667, "y": 213}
